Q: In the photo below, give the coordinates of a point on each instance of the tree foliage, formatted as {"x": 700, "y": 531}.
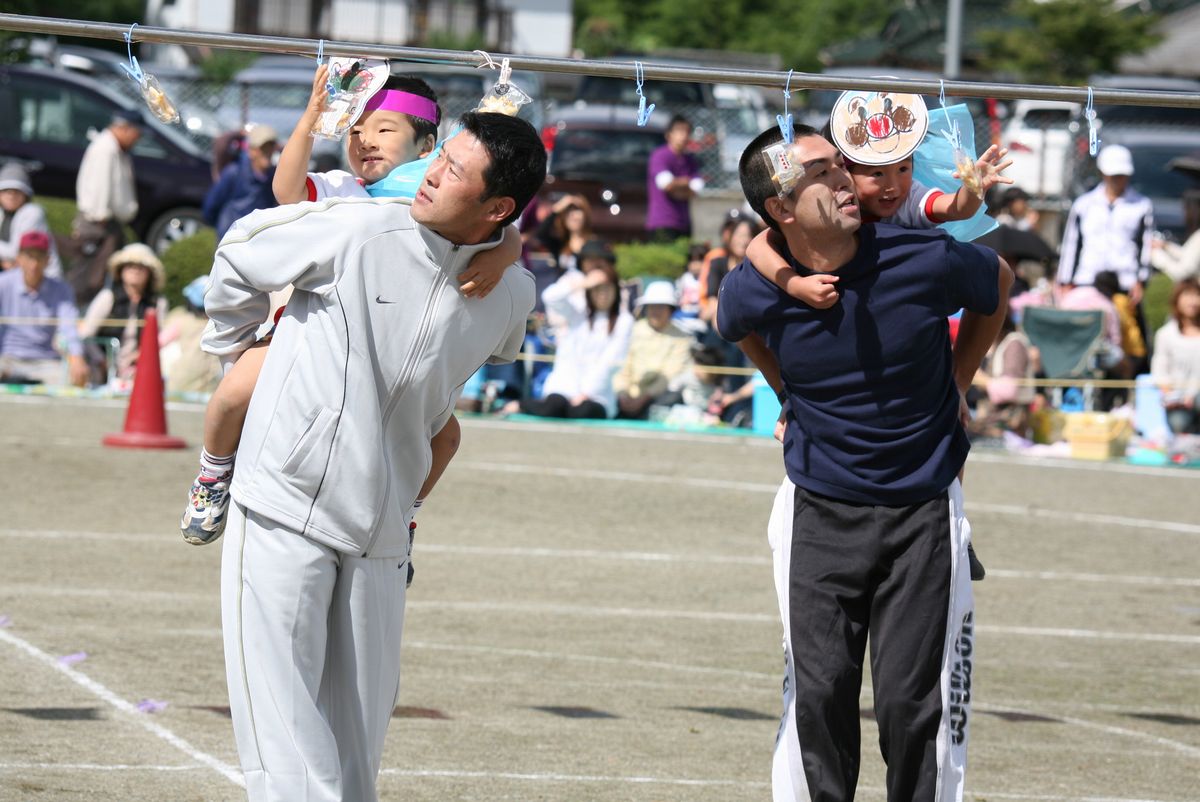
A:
{"x": 1065, "y": 41}
{"x": 795, "y": 29}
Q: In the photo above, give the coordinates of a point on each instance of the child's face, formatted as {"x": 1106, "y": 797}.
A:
{"x": 882, "y": 189}
{"x": 379, "y": 142}
{"x": 695, "y": 266}
{"x": 1188, "y": 304}
{"x": 12, "y": 199}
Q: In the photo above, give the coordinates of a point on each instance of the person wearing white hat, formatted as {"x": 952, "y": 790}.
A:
{"x": 18, "y": 215}
{"x": 136, "y": 286}
{"x": 659, "y": 351}
{"x": 1109, "y": 228}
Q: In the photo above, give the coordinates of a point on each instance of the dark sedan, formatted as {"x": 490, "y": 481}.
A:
{"x": 47, "y": 118}
{"x": 601, "y": 153}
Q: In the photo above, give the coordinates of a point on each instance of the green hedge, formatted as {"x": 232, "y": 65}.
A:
{"x": 1154, "y": 304}
{"x": 187, "y": 259}
{"x": 663, "y": 260}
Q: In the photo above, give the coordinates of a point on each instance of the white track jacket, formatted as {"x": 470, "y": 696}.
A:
{"x": 368, "y": 359}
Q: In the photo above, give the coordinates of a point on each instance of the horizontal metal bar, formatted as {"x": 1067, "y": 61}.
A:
{"x": 664, "y": 72}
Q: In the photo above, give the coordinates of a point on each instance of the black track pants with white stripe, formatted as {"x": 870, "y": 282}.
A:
{"x": 899, "y": 574}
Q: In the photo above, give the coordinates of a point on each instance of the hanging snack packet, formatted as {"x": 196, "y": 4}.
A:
{"x": 157, "y": 100}
{"x": 964, "y": 162}
{"x": 785, "y": 166}
{"x": 505, "y": 97}
{"x": 352, "y": 82}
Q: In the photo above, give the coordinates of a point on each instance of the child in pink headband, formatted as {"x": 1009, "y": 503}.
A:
{"x": 399, "y": 124}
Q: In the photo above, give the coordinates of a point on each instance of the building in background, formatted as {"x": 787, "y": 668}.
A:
{"x": 529, "y": 27}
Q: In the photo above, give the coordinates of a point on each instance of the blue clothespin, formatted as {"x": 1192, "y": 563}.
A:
{"x": 785, "y": 120}
{"x": 644, "y": 111}
{"x": 132, "y": 69}
{"x": 1089, "y": 114}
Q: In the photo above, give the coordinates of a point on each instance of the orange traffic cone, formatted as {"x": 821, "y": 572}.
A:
{"x": 146, "y": 418}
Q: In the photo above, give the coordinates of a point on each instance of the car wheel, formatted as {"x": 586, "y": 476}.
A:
{"x": 172, "y": 226}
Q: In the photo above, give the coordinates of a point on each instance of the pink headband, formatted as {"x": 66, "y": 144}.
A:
{"x": 405, "y": 103}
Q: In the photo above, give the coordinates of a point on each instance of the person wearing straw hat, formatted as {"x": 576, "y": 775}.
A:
{"x": 18, "y": 214}
{"x": 868, "y": 533}
{"x": 136, "y": 286}
{"x": 106, "y": 200}
{"x": 28, "y": 350}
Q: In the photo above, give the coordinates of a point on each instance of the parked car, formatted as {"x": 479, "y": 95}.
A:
{"x": 1154, "y": 149}
{"x": 1039, "y": 136}
{"x": 193, "y": 98}
{"x": 600, "y": 152}
{"x": 743, "y": 115}
{"x": 276, "y": 95}
{"x": 1110, "y": 115}
{"x": 695, "y": 101}
{"x": 47, "y": 118}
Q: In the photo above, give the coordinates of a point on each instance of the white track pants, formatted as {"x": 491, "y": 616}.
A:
{"x": 312, "y": 658}
{"x": 923, "y": 682}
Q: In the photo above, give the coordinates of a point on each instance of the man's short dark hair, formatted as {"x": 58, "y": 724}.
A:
{"x": 679, "y": 119}
{"x": 755, "y": 174}
{"x": 516, "y": 155}
{"x": 415, "y": 86}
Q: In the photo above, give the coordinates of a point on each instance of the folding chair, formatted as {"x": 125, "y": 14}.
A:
{"x": 1068, "y": 341}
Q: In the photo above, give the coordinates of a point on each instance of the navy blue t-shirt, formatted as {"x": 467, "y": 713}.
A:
{"x": 870, "y": 381}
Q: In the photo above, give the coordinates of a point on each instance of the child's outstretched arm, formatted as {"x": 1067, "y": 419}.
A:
{"x": 292, "y": 171}
{"x": 818, "y": 291}
{"x": 964, "y": 203}
{"x": 486, "y": 267}
{"x": 443, "y": 447}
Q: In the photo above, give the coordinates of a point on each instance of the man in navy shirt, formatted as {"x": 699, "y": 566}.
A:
{"x": 867, "y": 531}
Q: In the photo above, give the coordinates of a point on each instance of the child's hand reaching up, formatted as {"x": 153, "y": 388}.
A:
{"x": 818, "y": 290}
{"x": 989, "y": 167}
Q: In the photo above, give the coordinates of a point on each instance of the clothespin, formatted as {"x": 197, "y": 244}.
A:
{"x": 644, "y": 111}
{"x": 942, "y": 92}
{"x": 785, "y": 120}
{"x": 320, "y": 51}
{"x": 132, "y": 69}
{"x": 505, "y": 72}
{"x": 1089, "y": 114}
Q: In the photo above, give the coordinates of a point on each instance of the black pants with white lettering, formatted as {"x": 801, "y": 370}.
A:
{"x": 900, "y": 575}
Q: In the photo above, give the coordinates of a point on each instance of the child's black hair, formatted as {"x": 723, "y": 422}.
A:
{"x": 415, "y": 86}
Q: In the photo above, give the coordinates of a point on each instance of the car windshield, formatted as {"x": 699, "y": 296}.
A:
{"x": 623, "y": 91}
{"x": 1148, "y": 115}
{"x": 270, "y": 95}
{"x": 615, "y": 156}
{"x": 1151, "y": 176}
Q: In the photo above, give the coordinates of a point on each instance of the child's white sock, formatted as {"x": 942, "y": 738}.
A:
{"x": 215, "y": 468}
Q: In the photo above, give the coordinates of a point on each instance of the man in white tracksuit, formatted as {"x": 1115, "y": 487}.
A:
{"x": 364, "y": 368}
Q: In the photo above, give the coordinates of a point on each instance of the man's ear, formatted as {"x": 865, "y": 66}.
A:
{"x": 499, "y": 208}
{"x": 781, "y": 211}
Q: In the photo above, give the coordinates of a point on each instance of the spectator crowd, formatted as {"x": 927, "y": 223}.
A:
{"x": 599, "y": 345}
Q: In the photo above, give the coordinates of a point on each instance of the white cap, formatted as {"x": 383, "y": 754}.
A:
{"x": 1114, "y": 160}
{"x": 658, "y": 292}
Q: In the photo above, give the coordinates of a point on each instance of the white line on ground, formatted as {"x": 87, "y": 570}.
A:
{"x": 1110, "y": 729}
{"x": 571, "y": 778}
{"x": 626, "y": 556}
{"x": 589, "y": 658}
{"x": 21, "y": 589}
{"x": 91, "y": 767}
{"x": 761, "y": 487}
{"x": 104, "y": 694}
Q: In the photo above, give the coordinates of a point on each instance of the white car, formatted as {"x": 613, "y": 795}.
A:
{"x": 1039, "y": 137}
